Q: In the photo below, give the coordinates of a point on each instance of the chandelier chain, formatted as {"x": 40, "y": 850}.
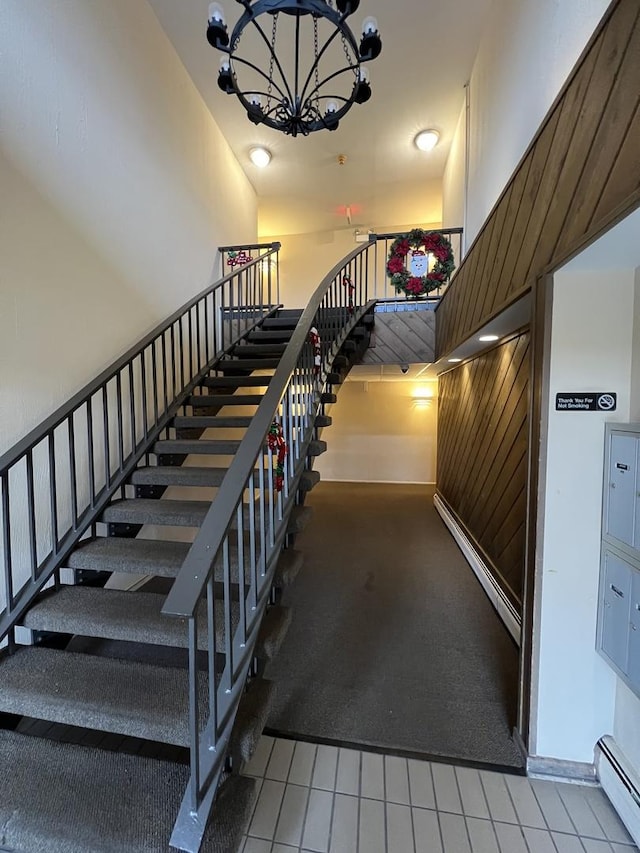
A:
{"x": 271, "y": 61}
{"x": 315, "y": 55}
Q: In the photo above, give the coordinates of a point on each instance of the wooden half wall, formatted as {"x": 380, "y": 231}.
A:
{"x": 482, "y": 456}
{"x": 580, "y": 174}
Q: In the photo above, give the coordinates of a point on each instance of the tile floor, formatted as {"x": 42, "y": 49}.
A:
{"x": 323, "y": 799}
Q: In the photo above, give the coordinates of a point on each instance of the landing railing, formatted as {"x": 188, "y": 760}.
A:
{"x": 382, "y": 289}
{"x": 242, "y": 535}
{"x": 56, "y": 482}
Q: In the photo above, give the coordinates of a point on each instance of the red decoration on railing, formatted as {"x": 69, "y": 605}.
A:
{"x": 238, "y": 259}
{"x": 277, "y": 445}
{"x": 316, "y": 343}
{"x": 346, "y": 282}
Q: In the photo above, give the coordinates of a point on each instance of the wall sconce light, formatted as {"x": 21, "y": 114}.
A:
{"x": 422, "y": 397}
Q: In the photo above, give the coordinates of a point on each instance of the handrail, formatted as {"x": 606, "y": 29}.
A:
{"x": 190, "y": 582}
{"x": 59, "y": 415}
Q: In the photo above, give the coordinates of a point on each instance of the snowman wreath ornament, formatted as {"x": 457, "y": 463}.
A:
{"x": 408, "y": 262}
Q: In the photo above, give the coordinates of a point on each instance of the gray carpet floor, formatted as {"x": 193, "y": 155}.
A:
{"x": 393, "y": 643}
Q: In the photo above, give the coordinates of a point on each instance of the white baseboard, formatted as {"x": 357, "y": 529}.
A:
{"x": 378, "y": 482}
{"x": 620, "y": 783}
{"x": 496, "y": 596}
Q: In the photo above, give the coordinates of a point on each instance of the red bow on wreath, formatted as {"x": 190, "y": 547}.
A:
{"x": 277, "y": 445}
{"x": 316, "y": 343}
{"x": 346, "y": 282}
{"x": 237, "y": 259}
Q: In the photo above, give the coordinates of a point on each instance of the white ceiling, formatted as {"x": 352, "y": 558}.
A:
{"x": 418, "y": 82}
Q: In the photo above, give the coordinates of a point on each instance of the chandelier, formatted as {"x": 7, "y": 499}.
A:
{"x": 295, "y": 65}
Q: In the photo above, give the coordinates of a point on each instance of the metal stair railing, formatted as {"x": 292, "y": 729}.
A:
{"x": 250, "y": 516}
{"x": 55, "y": 482}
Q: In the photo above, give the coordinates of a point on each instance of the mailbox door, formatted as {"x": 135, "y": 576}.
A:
{"x": 622, "y": 488}
{"x": 615, "y": 613}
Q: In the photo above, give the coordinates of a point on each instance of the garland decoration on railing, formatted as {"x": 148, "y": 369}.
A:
{"x": 346, "y": 282}
{"x": 238, "y": 259}
{"x": 316, "y": 343}
{"x": 278, "y": 446}
{"x": 416, "y": 279}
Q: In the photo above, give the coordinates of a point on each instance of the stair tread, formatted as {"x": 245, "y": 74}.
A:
{"x": 211, "y": 422}
{"x": 150, "y": 511}
{"x": 137, "y": 556}
{"x": 280, "y": 323}
{"x": 183, "y": 446}
{"x": 241, "y": 364}
{"x": 289, "y": 564}
{"x": 50, "y": 790}
{"x": 220, "y": 400}
{"x": 106, "y": 694}
{"x": 265, "y": 350}
{"x": 317, "y": 447}
{"x": 236, "y": 381}
{"x": 308, "y": 480}
{"x": 178, "y": 475}
{"x": 268, "y": 335}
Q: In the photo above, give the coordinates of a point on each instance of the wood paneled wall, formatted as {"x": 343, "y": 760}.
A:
{"x": 581, "y": 173}
{"x": 482, "y": 455}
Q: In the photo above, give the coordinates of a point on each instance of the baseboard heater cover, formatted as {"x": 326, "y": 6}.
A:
{"x": 620, "y": 783}
{"x": 496, "y": 596}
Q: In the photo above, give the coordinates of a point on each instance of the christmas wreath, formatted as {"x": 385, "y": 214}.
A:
{"x": 415, "y": 278}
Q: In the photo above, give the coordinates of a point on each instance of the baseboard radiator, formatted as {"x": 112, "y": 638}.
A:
{"x": 620, "y": 783}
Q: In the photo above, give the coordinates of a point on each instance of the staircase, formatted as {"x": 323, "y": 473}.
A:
{"x": 127, "y": 702}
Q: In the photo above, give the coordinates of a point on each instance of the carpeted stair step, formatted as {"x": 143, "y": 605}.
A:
{"x": 340, "y": 362}
{"x": 236, "y": 381}
{"x": 49, "y": 792}
{"x": 211, "y": 422}
{"x": 334, "y": 377}
{"x": 300, "y": 517}
{"x": 280, "y": 323}
{"x": 309, "y": 480}
{"x": 323, "y": 421}
{"x": 289, "y": 564}
{"x": 104, "y": 694}
{"x": 328, "y": 397}
{"x": 181, "y": 475}
{"x": 150, "y": 511}
{"x": 231, "y": 365}
{"x": 208, "y": 446}
{"x": 317, "y": 447}
{"x": 273, "y": 630}
{"x": 262, "y": 336}
{"x": 268, "y": 350}
{"x": 251, "y": 719}
{"x": 349, "y": 346}
{"x": 369, "y": 320}
{"x": 136, "y": 617}
{"x": 131, "y": 556}
{"x": 202, "y": 401}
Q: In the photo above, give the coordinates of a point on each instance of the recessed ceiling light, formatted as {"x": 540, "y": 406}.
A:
{"x": 427, "y": 140}
{"x": 260, "y": 157}
{"x": 487, "y": 338}
{"x": 454, "y": 360}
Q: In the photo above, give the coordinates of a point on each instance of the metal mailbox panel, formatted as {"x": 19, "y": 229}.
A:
{"x": 615, "y": 613}
{"x": 622, "y": 488}
{"x": 634, "y": 632}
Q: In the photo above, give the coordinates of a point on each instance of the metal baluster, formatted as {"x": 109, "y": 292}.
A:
{"x": 105, "y": 423}
{"x": 6, "y": 539}
{"x": 52, "y": 493}
{"x": 227, "y": 677}
{"x": 154, "y": 376}
{"x": 253, "y": 581}
{"x": 72, "y": 471}
{"x": 242, "y": 596}
{"x": 207, "y": 349}
{"x": 165, "y": 373}
{"x": 145, "y": 413}
{"x": 191, "y": 371}
{"x": 194, "y": 714}
{"x": 31, "y": 507}
{"x": 174, "y": 365}
{"x": 263, "y": 533}
{"x": 212, "y": 663}
{"x": 181, "y": 354}
{"x": 120, "y": 419}
{"x": 91, "y": 454}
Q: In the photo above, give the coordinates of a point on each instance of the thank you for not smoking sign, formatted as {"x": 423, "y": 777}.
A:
{"x": 580, "y": 401}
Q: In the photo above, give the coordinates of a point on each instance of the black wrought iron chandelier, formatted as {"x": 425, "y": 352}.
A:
{"x": 311, "y": 72}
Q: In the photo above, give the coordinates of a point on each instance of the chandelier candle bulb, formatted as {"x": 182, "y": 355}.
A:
{"x": 216, "y": 13}
{"x": 369, "y": 26}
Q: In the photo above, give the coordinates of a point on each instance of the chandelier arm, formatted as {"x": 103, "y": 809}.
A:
{"x": 259, "y": 71}
{"x": 297, "y": 59}
{"x": 275, "y": 59}
{"x": 325, "y": 47}
{"x": 345, "y": 70}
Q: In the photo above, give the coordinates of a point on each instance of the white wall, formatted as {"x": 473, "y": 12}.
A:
{"x": 453, "y": 180}
{"x": 592, "y": 330}
{"x": 379, "y": 434}
{"x": 117, "y": 187}
{"x": 526, "y": 54}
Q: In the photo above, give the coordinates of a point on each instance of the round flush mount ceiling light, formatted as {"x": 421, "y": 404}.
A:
{"x": 427, "y": 140}
{"x": 260, "y": 157}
